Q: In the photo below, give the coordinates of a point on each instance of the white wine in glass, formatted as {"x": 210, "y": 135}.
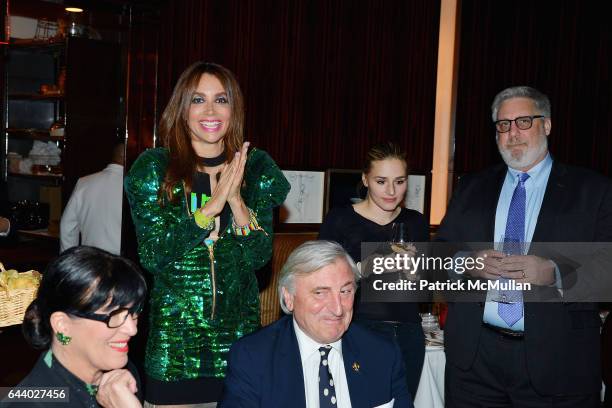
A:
{"x": 400, "y": 241}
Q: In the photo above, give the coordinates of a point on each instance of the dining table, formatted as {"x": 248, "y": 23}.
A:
{"x": 430, "y": 393}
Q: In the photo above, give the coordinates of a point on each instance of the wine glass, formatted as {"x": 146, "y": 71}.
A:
{"x": 400, "y": 241}
{"x": 400, "y": 244}
{"x": 509, "y": 246}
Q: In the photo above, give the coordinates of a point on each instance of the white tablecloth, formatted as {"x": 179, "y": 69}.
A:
{"x": 430, "y": 393}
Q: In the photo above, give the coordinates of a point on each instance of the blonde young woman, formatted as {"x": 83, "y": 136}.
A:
{"x": 385, "y": 176}
{"x": 202, "y": 208}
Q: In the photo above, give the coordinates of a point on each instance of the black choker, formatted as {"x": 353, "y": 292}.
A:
{"x": 212, "y": 161}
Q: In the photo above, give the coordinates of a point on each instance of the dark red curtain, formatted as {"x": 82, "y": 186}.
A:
{"x": 4, "y": 35}
{"x": 142, "y": 86}
{"x": 563, "y": 48}
{"x": 323, "y": 80}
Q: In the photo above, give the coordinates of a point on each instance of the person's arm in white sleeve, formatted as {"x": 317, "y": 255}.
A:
{"x": 69, "y": 225}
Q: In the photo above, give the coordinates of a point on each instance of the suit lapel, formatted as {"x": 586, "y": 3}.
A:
{"x": 556, "y": 192}
{"x": 288, "y": 369}
{"x": 355, "y": 377}
{"x": 490, "y": 198}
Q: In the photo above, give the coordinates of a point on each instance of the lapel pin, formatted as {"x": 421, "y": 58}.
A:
{"x": 356, "y": 367}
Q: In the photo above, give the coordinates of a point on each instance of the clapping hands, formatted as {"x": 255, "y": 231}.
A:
{"x": 227, "y": 189}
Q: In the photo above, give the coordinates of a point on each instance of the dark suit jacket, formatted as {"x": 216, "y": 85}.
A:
{"x": 265, "y": 369}
{"x": 561, "y": 339}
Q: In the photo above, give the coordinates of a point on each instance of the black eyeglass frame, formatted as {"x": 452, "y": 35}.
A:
{"x": 531, "y": 118}
{"x": 105, "y": 318}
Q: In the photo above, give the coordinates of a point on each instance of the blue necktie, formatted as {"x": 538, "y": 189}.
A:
{"x": 327, "y": 391}
{"x": 514, "y": 239}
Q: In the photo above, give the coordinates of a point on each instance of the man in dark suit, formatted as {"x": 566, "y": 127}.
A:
{"x": 511, "y": 353}
{"x": 316, "y": 357}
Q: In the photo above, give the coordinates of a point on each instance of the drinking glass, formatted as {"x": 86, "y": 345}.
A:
{"x": 508, "y": 247}
{"x": 429, "y": 322}
{"x": 400, "y": 241}
{"x": 400, "y": 244}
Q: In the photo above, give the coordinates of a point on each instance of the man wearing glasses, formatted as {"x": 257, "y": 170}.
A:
{"x": 505, "y": 352}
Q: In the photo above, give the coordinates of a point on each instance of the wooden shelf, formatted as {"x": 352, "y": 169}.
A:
{"x": 42, "y": 177}
{"x": 40, "y": 233}
{"x": 37, "y": 45}
{"x": 36, "y": 97}
{"x": 32, "y": 66}
{"x": 35, "y": 134}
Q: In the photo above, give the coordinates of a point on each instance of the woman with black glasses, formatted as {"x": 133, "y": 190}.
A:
{"x": 84, "y": 315}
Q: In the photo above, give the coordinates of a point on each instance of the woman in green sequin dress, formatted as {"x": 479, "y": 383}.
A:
{"x": 202, "y": 208}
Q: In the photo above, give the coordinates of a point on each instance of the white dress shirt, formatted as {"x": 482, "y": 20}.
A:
{"x": 535, "y": 187}
{"x": 94, "y": 211}
{"x": 311, "y": 359}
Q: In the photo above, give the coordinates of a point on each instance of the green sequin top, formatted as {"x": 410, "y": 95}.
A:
{"x": 187, "y": 339}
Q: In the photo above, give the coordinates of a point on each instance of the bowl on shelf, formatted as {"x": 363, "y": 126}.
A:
{"x": 57, "y": 130}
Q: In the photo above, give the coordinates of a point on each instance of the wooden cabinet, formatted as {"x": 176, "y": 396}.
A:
{"x": 84, "y": 93}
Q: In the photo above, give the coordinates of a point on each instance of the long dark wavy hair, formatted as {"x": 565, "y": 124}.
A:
{"x": 175, "y": 133}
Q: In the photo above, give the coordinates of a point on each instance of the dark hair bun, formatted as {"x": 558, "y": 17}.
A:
{"x": 35, "y": 327}
{"x": 81, "y": 279}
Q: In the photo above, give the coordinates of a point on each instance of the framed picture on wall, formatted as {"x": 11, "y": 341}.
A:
{"x": 415, "y": 195}
{"x": 343, "y": 187}
{"x": 304, "y": 203}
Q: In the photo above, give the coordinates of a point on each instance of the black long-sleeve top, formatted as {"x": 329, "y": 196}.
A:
{"x": 349, "y": 229}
